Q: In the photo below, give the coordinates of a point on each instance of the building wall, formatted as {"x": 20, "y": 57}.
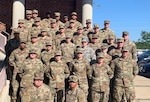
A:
{"x": 63, "y": 6}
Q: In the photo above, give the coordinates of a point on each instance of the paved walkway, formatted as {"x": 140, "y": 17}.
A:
{"x": 142, "y": 89}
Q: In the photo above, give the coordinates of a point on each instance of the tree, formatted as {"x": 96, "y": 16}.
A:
{"x": 144, "y": 42}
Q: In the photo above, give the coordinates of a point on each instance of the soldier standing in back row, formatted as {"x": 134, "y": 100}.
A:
{"x": 130, "y": 45}
{"x": 125, "y": 70}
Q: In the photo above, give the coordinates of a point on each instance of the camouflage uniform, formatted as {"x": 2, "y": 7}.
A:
{"x": 131, "y": 46}
{"x": 125, "y": 70}
{"x": 87, "y": 29}
{"x": 75, "y": 95}
{"x": 77, "y": 23}
{"x": 47, "y": 55}
{"x": 16, "y": 59}
{"x": 100, "y": 76}
{"x": 29, "y": 22}
{"x": 57, "y": 73}
{"x": 81, "y": 68}
{"x": 41, "y": 93}
{"x": 29, "y": 67}
{"x": 68, "y": 50}
{"x": 107, "y": 31}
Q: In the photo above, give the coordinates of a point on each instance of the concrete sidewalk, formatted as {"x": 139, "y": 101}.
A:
{"x": 142, "y": 89}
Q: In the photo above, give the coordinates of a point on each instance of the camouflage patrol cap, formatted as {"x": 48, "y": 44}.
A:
{"x": 53, "y": 21}
{"x": 37, "y": 19}
{"x": 85, "y": 39}
{"x": 100, "y": 55}
{"x": 58, "y": 53}
{"x": 74, "y": 13}
{"x": 49, "y": 43}
{"x": 106, "y": 21}
{"x": 73, "y": 78}
{"x": 34, "y": 11}
{"x": 32, "y": 51}
{"x": 65, "y": 16}
{"x": 23, "y": 41}
{"x": 68, "y": 35}
{"x": 80, "y": 27}
{"x": 61, "y": 27}
{"x": 120, "y": 40}
{"x": 44, "y": 30}
{"x": 104, "y": 46}
{"x": 88, "y": 20}
{"x": 96, "y": 25}
{"x": 94, "y": 36}
{"x": 39, "y": 75}
{"x": 125, "y": 33}
{"x": 111, "y": 37}
{"x": 28, "y": 11}
{"x": 79, "y": 50}
{"x": 16, "y": 31}
{"x": 125, "y": 49}
{"x": 72, "y": 21}
{"x": 57, "y": 14}
{"x": 34, "y": 35}
{"x": 21, "y": 21}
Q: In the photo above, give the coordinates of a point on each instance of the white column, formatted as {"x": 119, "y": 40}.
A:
{"x": 87, "y": 10}
{"x": 18, "y": 12}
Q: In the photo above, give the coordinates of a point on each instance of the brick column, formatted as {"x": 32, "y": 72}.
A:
{"x": 18, "y": 12}
{"x": 87, "y": 10}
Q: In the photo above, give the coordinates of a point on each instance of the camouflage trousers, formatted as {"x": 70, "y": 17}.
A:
{"x": 123, "y": 94}
{"x": 98, "y": 96}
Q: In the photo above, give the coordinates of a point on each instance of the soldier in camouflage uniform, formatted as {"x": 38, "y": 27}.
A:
{"x": 22, "y": 29}
{"x": 101, "y": 74}
{"x": 60, "y": 37}
{"x": 66, "y": 21}
{"x": 130, "y": 44}
{"x": 53, "y": 29}
{"x": 48, "y": 53}
{"x": 29, "y": 21}
{"x": 74, "y": 93}
{"x": 39, "y": 92}
{"x": 74, "y": 17}
{"x": 115, "y": 53}
{"x": 71, "y": 29}
{"x": 58, "y": 22}
{"x": 46, "y": 21}
{"x": 107, "y": 31}
{"x": 27, "y": 70}
{"x": 80, "y": 67}
{"x": 77, "y": 39}
{"x": 96, "y": 30}
{"x": 125, "y": 70}
{"x": 44, "y": 38}
{"x": 17, "y": 57}
{"x": 35, "y": 13}
{"x": 57, "y": 72}
{"x": 111, "y": 43}
{"x": 88, "y": 27}
{"x": 95, "y": 45}
{"x": 68, "y": 49}
{"x": 107, "y": 57}
{"x": 35, "y": 44}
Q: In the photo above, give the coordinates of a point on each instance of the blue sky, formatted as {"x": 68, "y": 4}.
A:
{"x": 125, "y": 15}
